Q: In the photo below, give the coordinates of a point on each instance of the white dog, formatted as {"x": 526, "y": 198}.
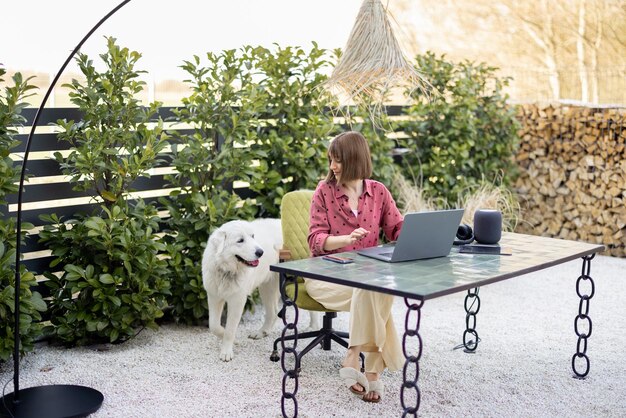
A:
{"x": 235, "y": 262}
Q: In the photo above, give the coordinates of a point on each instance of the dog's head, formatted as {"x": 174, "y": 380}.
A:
{"x": 234, "y": 243}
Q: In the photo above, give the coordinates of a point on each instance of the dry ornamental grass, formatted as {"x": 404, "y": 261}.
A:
{"x": 411, "y": 198}
{"x": 491, "y": 196}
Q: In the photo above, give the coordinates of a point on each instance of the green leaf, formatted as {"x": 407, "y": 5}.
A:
{"x": 108, "y": 196}
{"x": 94, "y": 223}
{"x": 106, "y": 279}
{"x": 37, "y": 302}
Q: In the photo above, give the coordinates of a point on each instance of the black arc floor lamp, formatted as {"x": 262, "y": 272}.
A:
{"x": 51, "y": 401}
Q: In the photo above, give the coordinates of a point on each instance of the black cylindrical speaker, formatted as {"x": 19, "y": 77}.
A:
{"x": 487, "y": 226}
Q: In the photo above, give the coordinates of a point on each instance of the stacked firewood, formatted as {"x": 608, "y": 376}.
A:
{"x": 573, "y": 173}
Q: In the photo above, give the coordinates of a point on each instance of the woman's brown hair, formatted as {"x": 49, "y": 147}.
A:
{"x": 351, "y": 149}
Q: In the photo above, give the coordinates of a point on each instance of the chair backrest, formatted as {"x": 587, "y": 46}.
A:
{"x": 294, "y": 215}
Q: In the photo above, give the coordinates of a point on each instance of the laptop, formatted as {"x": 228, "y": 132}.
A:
{"x": 423, "y": 235}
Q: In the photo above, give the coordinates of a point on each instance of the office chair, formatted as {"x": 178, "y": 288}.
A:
{"x": 294, "y": 210}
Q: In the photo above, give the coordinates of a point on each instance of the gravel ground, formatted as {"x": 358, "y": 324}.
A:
{"x": 522, "y": 367}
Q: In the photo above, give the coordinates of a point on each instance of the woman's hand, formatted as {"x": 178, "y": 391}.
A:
{"x": 335, "y": 242}
{"x": 356, "y": 235}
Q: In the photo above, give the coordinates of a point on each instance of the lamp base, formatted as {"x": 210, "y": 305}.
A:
{"x": 52, "y": 401}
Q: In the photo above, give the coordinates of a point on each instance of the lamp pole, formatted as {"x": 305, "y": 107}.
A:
{"x": 51, "y": 400}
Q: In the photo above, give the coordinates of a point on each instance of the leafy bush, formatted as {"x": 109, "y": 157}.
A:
{"x": 113, "y": 279}
{"x": 465, "y": 133}
{"x": 113, "y": 144}
{"x": 223, "y": 109}
{"x": 31, "y": 304}
{"x": 258, "y": 118}
{"x": 291, "y": 148}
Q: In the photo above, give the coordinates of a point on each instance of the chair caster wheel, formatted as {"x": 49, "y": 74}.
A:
{"x": 274, "y": 357}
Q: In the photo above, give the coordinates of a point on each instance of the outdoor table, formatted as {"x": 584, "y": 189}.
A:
{"x": 417, "y": 281}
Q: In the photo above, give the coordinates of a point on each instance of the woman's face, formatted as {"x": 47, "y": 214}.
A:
{"x": 335, "y": 167}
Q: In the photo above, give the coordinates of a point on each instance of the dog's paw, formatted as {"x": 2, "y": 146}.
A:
{"x": 258, "y": 334}
{"x": 314, "y": 322}
{"x": 313, "y": 326}
{"x": 226, "y": 354}
{"x": 219, "y": 331}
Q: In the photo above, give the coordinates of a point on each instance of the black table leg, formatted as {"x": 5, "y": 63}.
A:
{"x": 470, "y": 320}
{"x": 411, "y": 331}
{"x": 286, "y": 352}
{"x": 582, "y": 322}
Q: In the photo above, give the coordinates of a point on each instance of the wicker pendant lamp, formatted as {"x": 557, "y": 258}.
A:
{"x": 372, "y": 61}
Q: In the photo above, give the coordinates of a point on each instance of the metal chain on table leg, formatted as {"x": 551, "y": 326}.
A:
{"x": 411, "y": 383}
{"x": 470, "y": 320}
{"x": 289, "y": 351}
{"x": 583, "y": 317}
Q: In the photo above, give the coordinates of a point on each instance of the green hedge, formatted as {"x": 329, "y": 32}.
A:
{"x": 114, "y": 281}
{"x": 12, "y": 102}
{"x": 464, "y": 134}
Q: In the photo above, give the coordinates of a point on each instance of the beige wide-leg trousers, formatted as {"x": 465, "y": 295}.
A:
{"x": 371, "y": 323}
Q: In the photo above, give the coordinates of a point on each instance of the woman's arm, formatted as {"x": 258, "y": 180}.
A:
{"x": 320, "y": 239}
{"x": 392, "y": 219}
{"x": 340, "y": 241}
{"x": 319, "y": 227}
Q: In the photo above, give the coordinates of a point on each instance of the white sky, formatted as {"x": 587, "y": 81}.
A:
{"x": 39, "y": 34}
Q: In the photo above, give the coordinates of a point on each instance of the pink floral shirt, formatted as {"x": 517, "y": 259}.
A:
{"x": 331, "y": 215}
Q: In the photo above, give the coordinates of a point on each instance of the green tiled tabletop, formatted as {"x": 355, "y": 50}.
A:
{"x": 427, "y": 279}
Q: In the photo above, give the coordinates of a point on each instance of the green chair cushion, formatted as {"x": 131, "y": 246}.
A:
{"x": 305, "y": 301}
{"x": 294, "y": 214}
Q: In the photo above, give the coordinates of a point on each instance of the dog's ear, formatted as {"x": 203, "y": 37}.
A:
{"x": 217, "y": 241}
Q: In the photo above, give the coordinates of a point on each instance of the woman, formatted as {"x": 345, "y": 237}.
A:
{"x": 347, "y": 212}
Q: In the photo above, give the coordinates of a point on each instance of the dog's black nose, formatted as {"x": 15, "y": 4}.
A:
{"x": 258, "y": 252}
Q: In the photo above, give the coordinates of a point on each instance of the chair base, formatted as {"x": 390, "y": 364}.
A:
{"x": 324, "y": 336}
